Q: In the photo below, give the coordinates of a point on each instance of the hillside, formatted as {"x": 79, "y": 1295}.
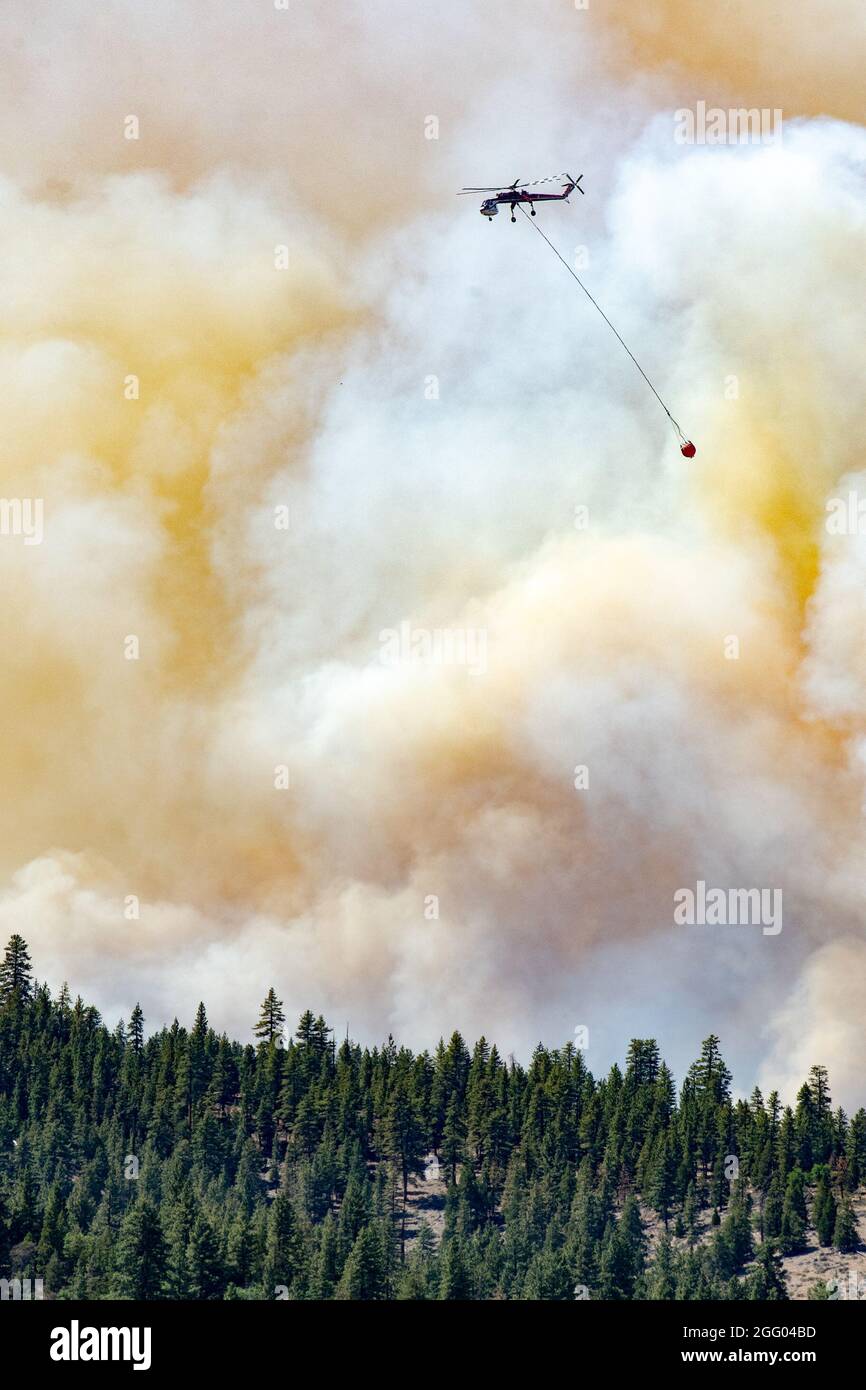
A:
{"x": 185, "y": 1165}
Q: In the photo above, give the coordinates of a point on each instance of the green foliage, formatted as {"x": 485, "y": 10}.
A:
{"x": 767, "y": 1283}
{"x": 140, "y": 1263}
{"x": 269, "y": 1028}
{"x": 792, "y": 1230}
{"x": 824, "y": 1208}
{"x": 820, "y": 1292}
{"x": 363, "y": 1277}
{"x": 188, "y": 1166}
{"x": 16, "y": 977}
{"x": 845, "y": 1237}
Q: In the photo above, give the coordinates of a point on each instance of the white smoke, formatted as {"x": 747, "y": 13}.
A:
{"x": 437, "y": 410}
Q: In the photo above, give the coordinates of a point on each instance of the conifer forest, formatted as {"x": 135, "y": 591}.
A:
{"x": 184, "y": 1165}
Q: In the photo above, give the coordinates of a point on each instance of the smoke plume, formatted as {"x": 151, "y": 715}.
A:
{"x": 282, "y": 394}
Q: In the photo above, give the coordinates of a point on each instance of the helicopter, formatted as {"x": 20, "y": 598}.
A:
{"x": 515, "y": 193}
{"x": 516, "y": 196}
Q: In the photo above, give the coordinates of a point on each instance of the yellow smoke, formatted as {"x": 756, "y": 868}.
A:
{"x": 763, "y": 55}
{"x": 168, "y": 387}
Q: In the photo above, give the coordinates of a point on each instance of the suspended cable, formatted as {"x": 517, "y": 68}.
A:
{"x": 686, "y": 446}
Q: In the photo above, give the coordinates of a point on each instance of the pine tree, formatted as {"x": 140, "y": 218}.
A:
{"x": 793, "y": 1229}
{"x": 141, "y": 1255}
{"x": 417, "y": 1281}
{"x": 766, "y": 1284}
{"x": 824, "y": 1209}
{"x": 453, "y": 1138}
{"x": 661, "y": 1280}
{"x": 199, "y": 1060}
{"x": 363, "y": 1277}
{"x": 325, "y": 1271}
{"x": 16, "y": 976}
{"x": 709, "y": 1075}
{"x": 240, "y": 1251}
{"x": 192, "y": 1167}
{"x": 54, "y": 1225}
{"x": 136, "y": 1030}
{"x": 771, "y": 1212}
{"x": 547, "y": 1278}
{"x": 179, "y": 1222}
{"x": 403, "y": 1138}
{"x": 855, "y": 1152}
{"x": 283, "y": 1260}
{"x": 623, "y": 1254}
{"x": 205, "y": 1268}
{"x": 272, "y": 1020}
{"x": 455, "y": 1282}
{"x": 735, "y": 1235}
{"x": 660, "y": 1182}
{"x": 821, "y": 1135}
{"x": 792, "y": 1232}
{"x": 690, "y": 1214}
{"x": 845, "y": 1234}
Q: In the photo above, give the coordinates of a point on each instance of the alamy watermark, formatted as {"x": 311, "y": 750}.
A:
{"x": 737, "y": 126}
{"x": 21, "y": 1290}
{"x": 729, "y": 907}
{"x": 846, "y": 516}
{"x": 441, "y": 646}
{"x": 852, "y": 1288}
{"x": 22, "y": 516}
{"x": 77, "y": 1343}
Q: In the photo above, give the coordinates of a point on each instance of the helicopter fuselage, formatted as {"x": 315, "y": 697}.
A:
{"x": 510, "y": 196}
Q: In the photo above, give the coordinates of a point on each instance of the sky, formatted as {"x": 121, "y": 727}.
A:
{"x": 378, "y": 644}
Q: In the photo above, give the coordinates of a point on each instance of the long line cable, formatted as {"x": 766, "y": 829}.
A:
{"x": 597, "y": 306}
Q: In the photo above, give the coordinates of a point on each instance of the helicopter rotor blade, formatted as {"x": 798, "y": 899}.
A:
{"x": 529, "y": 183}
{"x": 495, "y": 187}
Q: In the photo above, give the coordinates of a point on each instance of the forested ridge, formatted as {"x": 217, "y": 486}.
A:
{"x": 187, "y": 1166}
